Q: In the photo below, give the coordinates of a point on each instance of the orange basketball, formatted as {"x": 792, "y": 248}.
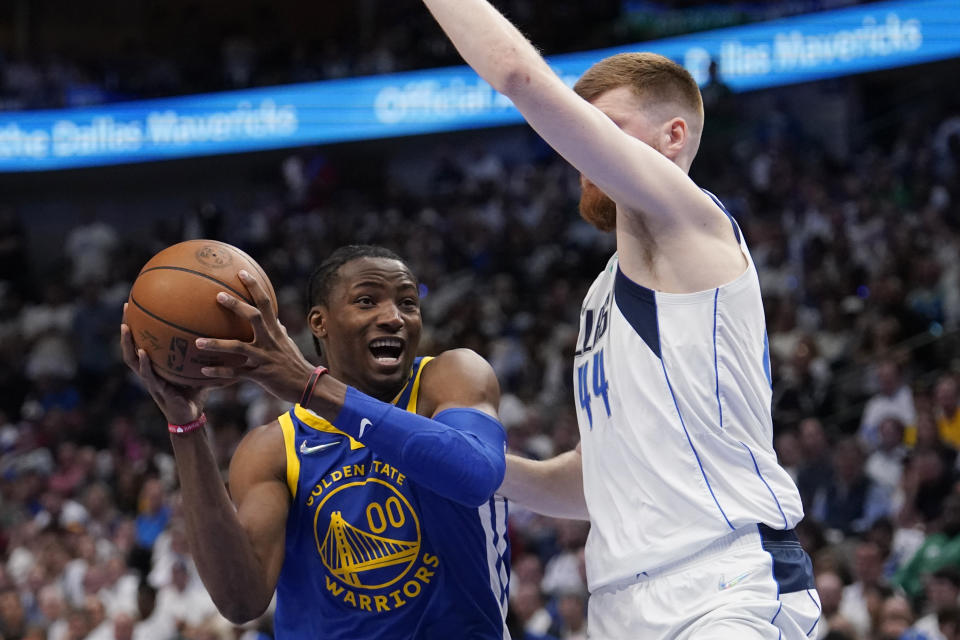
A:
{"x": 173, "y": 302}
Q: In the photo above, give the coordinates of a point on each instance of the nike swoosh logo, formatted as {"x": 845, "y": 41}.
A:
{"x": 305, "y": 450}
{"x": 730, "y": 583}
{"x": 363, "y": 425}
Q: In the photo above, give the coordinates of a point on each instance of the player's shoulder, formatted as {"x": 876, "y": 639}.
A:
{"x": 459, "y": 363}
{"x": 462, "y": 373}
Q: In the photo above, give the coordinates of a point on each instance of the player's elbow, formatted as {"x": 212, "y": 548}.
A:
{"x": 484, "y": 481}
{"x": 515, "y": 74}
{"x": 239, "y": 611}
{"x": 514, "y": 81}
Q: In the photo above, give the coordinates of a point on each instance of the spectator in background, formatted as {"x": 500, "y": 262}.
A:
{"x": 152, "y": 624}
{"x": 52, "y": 612}
{"x": 562, "y": 573}
{"x": 942, "y": 590}
{"x": 789, "y": 452}
{"x": 926, "y": 435}
{"x": 90, "y": 246}
{"x": 927, "y": 480}
{"x": 94, "y": 619}
{"x": 855, "y": 604}
{"x": 528, "y": 610}
{"x": 853, "y": 501}
{"x": 571, "y": 619}
{"x": 153, "y": 516}
{"x": 13, "y": 619}
{"x": 948, "y": 410}
{"x": 885, "y": 464}
{"x": 896, "y": 618}
{"x": 184, "y": 599}
{"x": 940, "y": 548}
{"x": 830, "y": 589}
{"x": 815, "y": 472}
{"x": 893, "y": 399}
{"x": 805, "y": 388}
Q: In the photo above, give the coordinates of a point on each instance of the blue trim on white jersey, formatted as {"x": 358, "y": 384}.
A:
{"x": 693, "y": 448}
{"x": 764, "y": 481}
{"x": 819, "y": 612}
{"x": 733, "y": 222}
{"x": 507, "y": 563}
{"x": 779, "y": 609}
{"x": 638, "y": 304}
{"x": 766, "y": 358}
{"x": 492, "y": 504}
{"x": 716, "y": 367}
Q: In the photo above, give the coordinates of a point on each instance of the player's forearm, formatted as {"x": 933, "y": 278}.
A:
{"x": 551, "y": 487}
{"x": 226, "y": 561}
{"x": 487, "y": 41}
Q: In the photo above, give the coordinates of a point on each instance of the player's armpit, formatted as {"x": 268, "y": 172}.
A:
{"x": 552, "y": 487}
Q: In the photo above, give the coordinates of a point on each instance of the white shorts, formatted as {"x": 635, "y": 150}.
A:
{"x": 744, "y": 586}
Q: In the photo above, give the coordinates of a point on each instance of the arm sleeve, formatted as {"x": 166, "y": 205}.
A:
{"x": 459, "y": 454}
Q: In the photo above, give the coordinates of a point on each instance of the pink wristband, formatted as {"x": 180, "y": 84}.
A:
{"x": 190, "y": 426}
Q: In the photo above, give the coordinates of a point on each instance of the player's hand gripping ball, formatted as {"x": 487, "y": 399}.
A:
{"x": 174, "y": 301}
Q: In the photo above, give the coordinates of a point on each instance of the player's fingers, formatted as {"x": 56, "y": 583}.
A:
{"x": 222, "y": 346}
{"x": 247, "y": 312}
{"x": 127, "y": 349}
{"x": 236, "y": 305}
{"x": 219, "y": 372}
{"x": 145, "y": 369}
{"x": 264, "y": 305}
{"x": 257, "y": 291}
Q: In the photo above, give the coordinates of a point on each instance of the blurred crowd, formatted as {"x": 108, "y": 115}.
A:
{"x": 859, "y": 262}
{"x": 55, "y": 55}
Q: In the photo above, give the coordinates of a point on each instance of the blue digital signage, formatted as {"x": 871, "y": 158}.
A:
{"x": 792, "y": 50}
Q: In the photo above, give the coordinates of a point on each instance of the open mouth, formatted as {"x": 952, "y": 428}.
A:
{"x": 387, "y": 350}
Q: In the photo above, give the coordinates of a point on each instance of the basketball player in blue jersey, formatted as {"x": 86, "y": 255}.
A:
{"x": 691, "y": 515}
{"x": 369, "y": 506}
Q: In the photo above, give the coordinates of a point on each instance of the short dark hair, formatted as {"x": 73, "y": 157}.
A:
{"x": 324, "y": 277}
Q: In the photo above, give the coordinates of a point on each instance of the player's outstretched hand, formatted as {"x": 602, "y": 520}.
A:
{"x": 273, "y": 359}
{"x": 179, "y": 405}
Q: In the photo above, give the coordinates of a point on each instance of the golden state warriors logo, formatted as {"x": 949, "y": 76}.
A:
{"x": 368, "y": 537}
{"x": 379, "y": 549}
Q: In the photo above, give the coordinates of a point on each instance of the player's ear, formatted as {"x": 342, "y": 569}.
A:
{"x": 317, "y": 319}
{"x": 675, "y": 134}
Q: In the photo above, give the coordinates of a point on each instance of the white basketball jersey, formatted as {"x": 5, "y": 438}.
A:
{"x": 673, "y": 395}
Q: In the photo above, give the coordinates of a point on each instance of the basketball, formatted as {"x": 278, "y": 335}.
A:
{"x": 173, "y": 302}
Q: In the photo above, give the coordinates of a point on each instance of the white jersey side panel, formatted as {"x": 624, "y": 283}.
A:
{"x": 673, "y": 402}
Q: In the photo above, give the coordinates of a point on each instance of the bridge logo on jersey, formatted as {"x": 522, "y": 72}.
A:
{"x": 368, "y": 538}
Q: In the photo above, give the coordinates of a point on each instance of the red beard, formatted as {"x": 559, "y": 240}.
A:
{"x": 596, "y": 208}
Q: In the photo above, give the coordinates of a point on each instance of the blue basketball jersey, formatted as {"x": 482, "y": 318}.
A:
{"x": 370, "y": 555}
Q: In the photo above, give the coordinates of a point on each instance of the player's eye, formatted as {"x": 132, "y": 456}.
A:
{"x": 364, "y": 300}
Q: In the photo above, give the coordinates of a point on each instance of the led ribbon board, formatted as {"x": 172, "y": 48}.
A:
{"x": 792, "y": 50}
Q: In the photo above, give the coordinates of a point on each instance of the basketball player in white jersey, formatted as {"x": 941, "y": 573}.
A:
{"x": 691, "y": 515}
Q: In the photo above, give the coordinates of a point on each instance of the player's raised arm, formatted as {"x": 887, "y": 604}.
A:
{"x": 632, "y": 173}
